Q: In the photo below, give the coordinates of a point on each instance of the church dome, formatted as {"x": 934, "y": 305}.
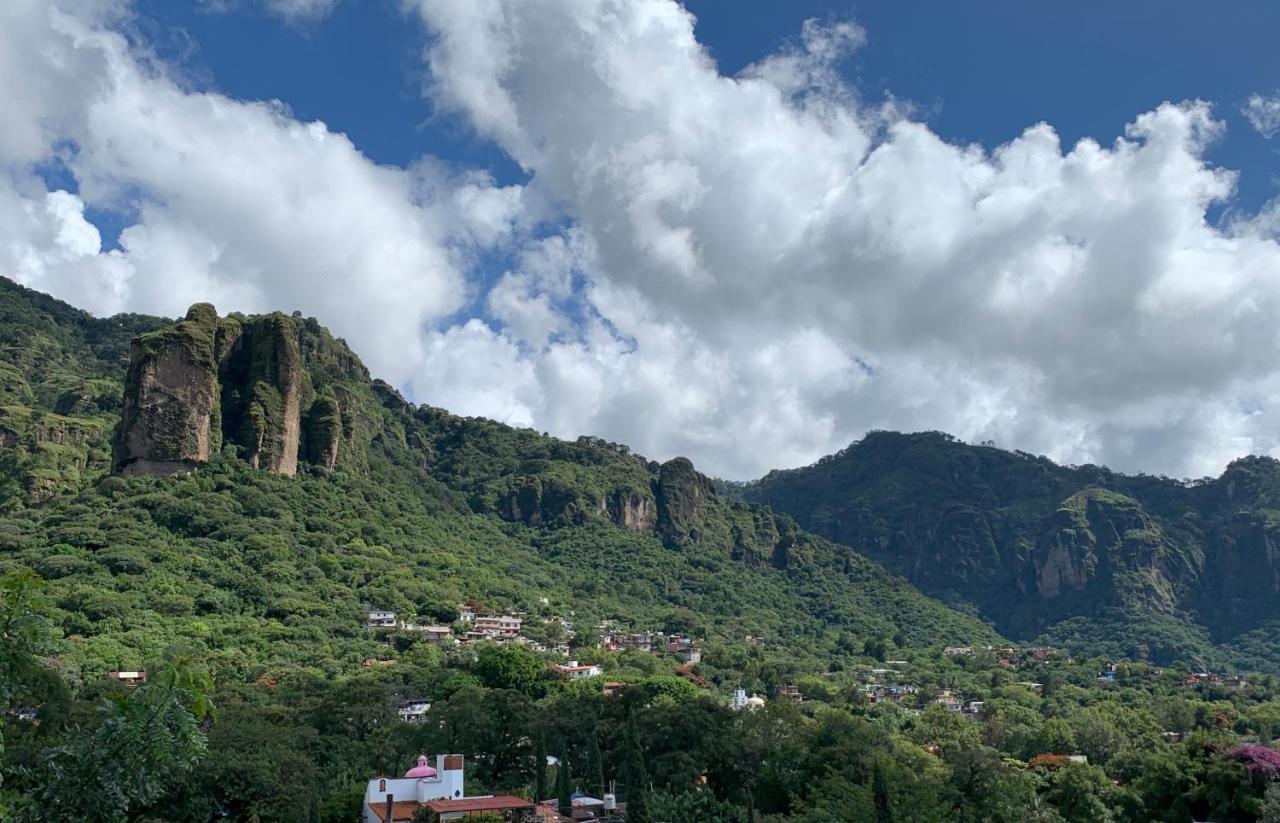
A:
{"x": 422, "y": 769}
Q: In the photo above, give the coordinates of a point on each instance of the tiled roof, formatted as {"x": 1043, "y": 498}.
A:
{"x": 497, "y": 802}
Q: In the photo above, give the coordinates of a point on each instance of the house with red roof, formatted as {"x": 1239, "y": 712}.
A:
{"x": 438, "y": 789}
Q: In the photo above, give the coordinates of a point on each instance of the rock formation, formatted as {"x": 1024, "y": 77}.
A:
{"x": 170, "y": 420}
{"x": 205, "y": 381}
{"x": 680, "y": 493}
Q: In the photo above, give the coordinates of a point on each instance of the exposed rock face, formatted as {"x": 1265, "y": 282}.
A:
{"x": 205, "y": 381}
{"x": 324, "y": 432}
{"x": 633, "y": 512}
{"x": 170, "y": 412}
{"x": 681, "y": 491}
{"x": 272, "y": 421}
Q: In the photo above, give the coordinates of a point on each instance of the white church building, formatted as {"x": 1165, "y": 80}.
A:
{"x": 439, "y": 789}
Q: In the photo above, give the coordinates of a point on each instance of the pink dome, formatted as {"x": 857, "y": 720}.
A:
{"x": 422, "y": 769}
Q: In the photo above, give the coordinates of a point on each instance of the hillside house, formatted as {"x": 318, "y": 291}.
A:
{"x": 504, "y": 625}
{"x": 949, "y": 701}
{"x": 431, "y": 634}
{"x": 413, "y": 711}
{"x": 129, "y": 678}
{"x": 956, "y": 651}
{"x": 684, "y": 649}
{"x": 791, "y": 692}
{"x": 573, "y": 670}
{"x": 439, "y": 790}
{"x": 379, "y": 618}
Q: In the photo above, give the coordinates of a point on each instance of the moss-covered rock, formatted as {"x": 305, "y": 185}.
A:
{"x": 170, "y": 398}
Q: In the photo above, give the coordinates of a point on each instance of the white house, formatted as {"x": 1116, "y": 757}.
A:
{"x": 379, "y": 618}
{"x": 420, "y": 785}
{"x": 500, "y": 626}
{"x": 575, "y": 671}
{"x": 413, "y": 711}
{"x": 439, "y": 790}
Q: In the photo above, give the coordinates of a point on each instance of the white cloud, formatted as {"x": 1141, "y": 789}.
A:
{"x": 301, "y": 10}
{"x": 774, "y": 267}
{"x": 1263, "y": 113}
{"x": 750, "y": 270}
{"x": 236, "y": 202}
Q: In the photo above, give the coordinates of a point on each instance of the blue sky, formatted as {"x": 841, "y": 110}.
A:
{"x": 979, "y": 71}
{"x": 555, "y": 214}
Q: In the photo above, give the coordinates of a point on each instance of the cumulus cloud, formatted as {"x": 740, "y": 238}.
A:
{"x": 1263, "y": 113}
{"x": 301, "y": 10}
{"x": 770, "y": 266}
{"x": 750, "y": 270}
{"x": 234, "y": 202}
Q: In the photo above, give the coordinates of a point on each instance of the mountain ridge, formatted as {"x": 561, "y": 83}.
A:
{"x": 1031, "y": 545}
{"x": 416, "y": 510}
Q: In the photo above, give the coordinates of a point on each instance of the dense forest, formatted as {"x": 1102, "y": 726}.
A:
{"x": 1138, "y": 566}
{"x": 219, "y": 501}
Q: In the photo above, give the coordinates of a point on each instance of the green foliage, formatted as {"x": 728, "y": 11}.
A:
{"x": 1078, "y": 557}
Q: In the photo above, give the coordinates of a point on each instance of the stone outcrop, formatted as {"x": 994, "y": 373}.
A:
{"x": 272, "y": 422}
{"x": 206, "y": 381}
{"x": 631, "y": 511}
{"x": 170, "y": 420}
{"x": 324, "y": 432}
{"x": 680, "y": 492}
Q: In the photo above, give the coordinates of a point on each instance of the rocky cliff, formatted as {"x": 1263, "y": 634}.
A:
{"x": 170, "y": 420}
{"x": 1029, "y": 544}
{"x": 249, "y": 383}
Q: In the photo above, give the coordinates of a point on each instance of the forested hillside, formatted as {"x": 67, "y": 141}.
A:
{"x": 1140, "y": 566}
{"x": 406, "y": 507}
{"x": 201, "y": 520}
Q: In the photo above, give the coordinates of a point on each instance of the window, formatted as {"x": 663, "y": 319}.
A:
{"x": 382, "y": 785}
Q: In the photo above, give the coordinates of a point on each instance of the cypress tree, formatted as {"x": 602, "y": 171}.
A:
{"x": 564, "y": 792}
{"x": 540, "y": 770}
{"x": 635, "y": 776}
{"x": 597, "y": 765}
{"x": 880, "y": 792}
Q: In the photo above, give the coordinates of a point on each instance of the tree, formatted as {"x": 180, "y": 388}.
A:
{"x": 511, "y": 667}
{"x": 635, "y": 776}
{"x": 880, "y": 794}
{"x": 597, "y": 765}
{"x": 564, "y": 789}
{"x": 540, "y": 769}
{"x": 146, "y": 743}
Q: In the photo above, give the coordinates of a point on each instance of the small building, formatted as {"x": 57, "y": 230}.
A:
{"x": 435, "y": 634}
{"x": 379, "y": 618}
{"x": 129, "y": 678}
{"x": 400, "y": 798}
{"x": 949, "y": 701}
{"x": 791, "y": 692}
{"x": 956, "y": 651}
{"x": 613, "y": 687}
{"x": 740, "y": 701}
{"x": 684, "y": 649}
{"x": 413, "y": 711}
{"x": 574, "y": 670}
{"x": 498, "y": 626}
{"x": 640, "y": 641}
{"x": 466, "y": 613}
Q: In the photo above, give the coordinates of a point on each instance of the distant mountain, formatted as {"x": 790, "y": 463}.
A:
{"x": 240, "y": 485}
{"x": 1078, "y": 556}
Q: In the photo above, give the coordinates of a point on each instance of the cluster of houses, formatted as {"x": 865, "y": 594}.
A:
{"x": 1007, "y": 655}
{"x": 685, "y": 649}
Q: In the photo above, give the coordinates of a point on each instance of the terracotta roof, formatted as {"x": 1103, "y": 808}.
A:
{"x": 497, "y": 802}
{"x": 400, "y": 809}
